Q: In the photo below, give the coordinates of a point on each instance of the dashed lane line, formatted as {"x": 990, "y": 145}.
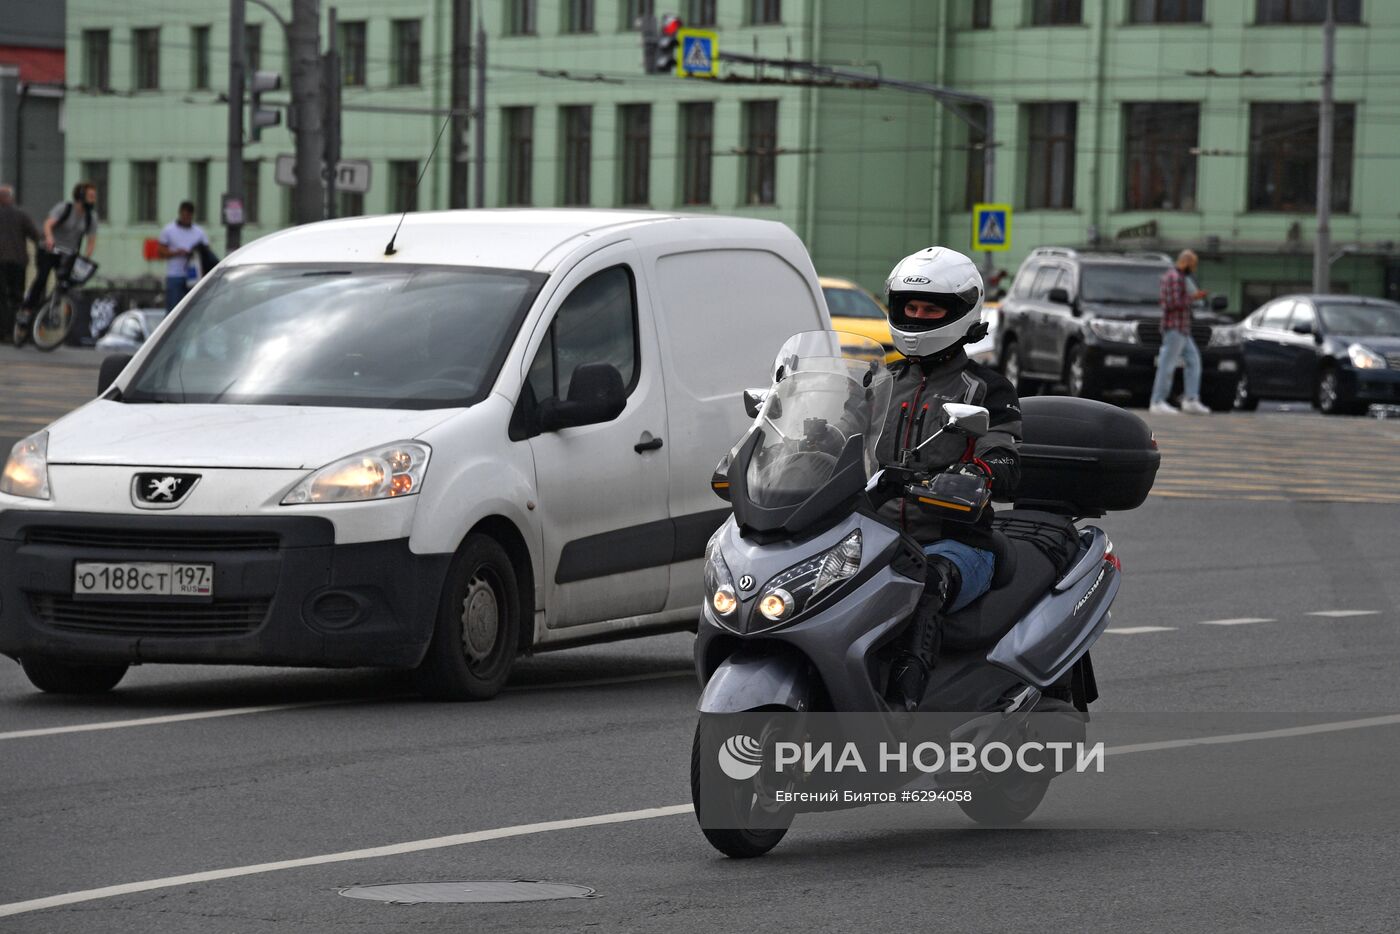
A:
{"x": 1344, "y": 614}
{"x": 1135, "y": 630}
{"x": 1239, "y": 621}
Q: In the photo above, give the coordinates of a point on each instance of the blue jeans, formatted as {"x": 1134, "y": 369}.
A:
{"x": 974, "y": 564}
{"x": 175, "y": 289}
{"x": 1174, "y": 345}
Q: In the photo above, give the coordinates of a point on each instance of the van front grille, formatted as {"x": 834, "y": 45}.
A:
{"x": 220, "y": 618}
{"x": 152, "y": 539}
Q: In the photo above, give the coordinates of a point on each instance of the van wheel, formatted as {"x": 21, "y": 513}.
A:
{"x": 478, "y": 626}
{"x": 57, "y": 677}
{"x": 1081, "y": 379}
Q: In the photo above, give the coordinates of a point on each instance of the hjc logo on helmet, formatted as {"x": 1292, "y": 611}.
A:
{"x": 916, "y": 280}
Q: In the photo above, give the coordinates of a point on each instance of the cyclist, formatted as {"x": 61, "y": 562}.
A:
{"x": 68, "y": 224}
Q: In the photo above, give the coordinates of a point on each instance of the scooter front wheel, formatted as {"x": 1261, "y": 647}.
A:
{"x": 730, "y": 815}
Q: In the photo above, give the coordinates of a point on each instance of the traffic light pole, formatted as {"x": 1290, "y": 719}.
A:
{"x": 1322, "y": 245}
{"x": 233, "y": 233}
{"x": 306, "y": 117}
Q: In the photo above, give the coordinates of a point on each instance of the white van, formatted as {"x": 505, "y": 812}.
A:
{"x": 494, "y": 436}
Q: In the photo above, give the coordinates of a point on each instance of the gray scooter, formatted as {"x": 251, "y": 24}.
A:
{"x": 807, "y": 589}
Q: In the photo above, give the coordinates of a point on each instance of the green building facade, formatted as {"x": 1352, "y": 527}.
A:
{"x": 1123, "y": 124}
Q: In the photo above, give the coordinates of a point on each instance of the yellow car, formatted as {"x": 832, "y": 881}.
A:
{"x": 856, "y": 311}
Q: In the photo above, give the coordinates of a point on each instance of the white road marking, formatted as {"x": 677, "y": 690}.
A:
{"x": 1342, "y": 614}
{"x": 619, "y": 817}
{"x": 1240, "y": 621}
{"x": 1134, "y": 630}
{"x": 270, "y": 708}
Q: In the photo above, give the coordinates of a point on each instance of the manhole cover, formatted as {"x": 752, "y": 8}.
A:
{"x": 518, "y": 890}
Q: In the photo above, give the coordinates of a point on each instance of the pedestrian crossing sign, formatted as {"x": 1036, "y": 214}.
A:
{"x": 699, "y": 56}
{"x": 991, "y": 227}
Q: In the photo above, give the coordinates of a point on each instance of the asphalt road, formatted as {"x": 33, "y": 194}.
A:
{"x": 352, "y": 761}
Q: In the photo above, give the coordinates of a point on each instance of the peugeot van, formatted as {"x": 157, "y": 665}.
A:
{"x": 488, "y": 434}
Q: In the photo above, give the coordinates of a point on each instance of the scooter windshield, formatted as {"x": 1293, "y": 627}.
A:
{"x": 828, "y": 387}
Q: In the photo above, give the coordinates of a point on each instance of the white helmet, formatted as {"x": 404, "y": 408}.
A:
{"x": 946, "y": 278}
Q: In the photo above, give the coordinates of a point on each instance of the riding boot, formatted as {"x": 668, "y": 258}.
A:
{"x": 909, "y": 673}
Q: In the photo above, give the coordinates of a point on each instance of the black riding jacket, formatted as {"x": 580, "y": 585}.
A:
{"x": 955, "y": 379}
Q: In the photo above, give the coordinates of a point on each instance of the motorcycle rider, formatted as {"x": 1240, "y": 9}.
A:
{"x": 935, "y": 308}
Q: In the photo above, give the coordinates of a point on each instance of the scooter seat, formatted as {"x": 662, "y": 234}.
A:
{"x": 982, "y": 622}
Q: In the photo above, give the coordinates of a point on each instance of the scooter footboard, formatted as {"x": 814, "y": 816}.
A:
{"x": 1045, "y": 644}
{"x": 760, "y": 676}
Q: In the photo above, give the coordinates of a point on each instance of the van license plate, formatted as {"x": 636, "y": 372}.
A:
{"x": 143, "y": 579}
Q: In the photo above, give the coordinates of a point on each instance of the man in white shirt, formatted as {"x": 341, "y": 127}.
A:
{"x": 179, "y": 245}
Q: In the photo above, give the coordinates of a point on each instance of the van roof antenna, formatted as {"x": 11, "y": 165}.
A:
{"x": 389, "y": 250}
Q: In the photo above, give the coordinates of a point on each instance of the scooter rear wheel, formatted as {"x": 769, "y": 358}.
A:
{"x": 739, "y": 840}
{"x": 1006, "y": 799}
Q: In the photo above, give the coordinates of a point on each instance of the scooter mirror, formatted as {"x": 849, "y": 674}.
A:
{"x": 971, "y": 420}
{"x": 753, "y": 401}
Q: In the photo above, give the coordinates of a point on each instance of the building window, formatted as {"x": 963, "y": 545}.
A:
{"x": 199, "y": 189}
{"x": 1283, "y": 157}
{"x": 96, "y": 172}
{"x": 699, "y": 13}
{"x": 578, "y": 15}
{"x": 350, "y": 203}
{"x": 145, "y": 192}
{"x": 145, "y": 57}
{"x": 252, "y": 46}
{"x": 760, "y": 152}
{"x": 408, "y": 52}
{"x": 252, "y": 190}
{"x": 1306, "y": 11}
{"x": 1057, "y": 12}
{"x": 634, "y": 10}
{"x": 97, "y": 59}
{"x": 578, "y": 153}
{"x": 1159, "y": 167}
{"x": 976, "y": 157}
{"x": 1166, "y": 11}
{"x": 1050, "y": 155}
{"x": 765, "y": 12}
{"x": 635, "y": 120}
{"x": 520, "y": 18}
{"x": 520, "y": 153}
{"x": 199, "y": 58}
{"x": 697, "y": 156}
{"x": 403, "y": 185}
{"x": 352, "y": 53}
{"x": 981, "y": 14}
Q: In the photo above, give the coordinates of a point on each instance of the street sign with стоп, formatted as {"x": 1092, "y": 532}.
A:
{"x": 350, "y": 174}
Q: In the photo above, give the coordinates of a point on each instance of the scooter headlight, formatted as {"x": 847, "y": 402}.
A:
{"x": 804, "y": 586}
{"x": 719, "y": 583}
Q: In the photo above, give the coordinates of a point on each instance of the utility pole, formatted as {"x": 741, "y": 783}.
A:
{"x": 233, "y": 233}
{"x": 304, "y": 36}
{"x": 1322, "y": 245}
{"x": 479, "y": 114}
{"x": 457, "y": 150}
{"x": 330, "y": 83}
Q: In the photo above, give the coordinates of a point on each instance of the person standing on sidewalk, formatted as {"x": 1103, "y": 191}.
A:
{"x": 179, "y": 243}
{"x": 1178, "y": 291}
{"x": 16, "y": 227}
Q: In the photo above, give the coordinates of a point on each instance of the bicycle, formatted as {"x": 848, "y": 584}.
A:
{"x": 49, "y": 327}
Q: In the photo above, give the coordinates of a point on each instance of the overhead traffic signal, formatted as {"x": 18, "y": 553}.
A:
{"x": 667, "y": 45}
{"x": 258, "y": 115}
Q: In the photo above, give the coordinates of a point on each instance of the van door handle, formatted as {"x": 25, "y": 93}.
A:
{"x": 651, "y": 444}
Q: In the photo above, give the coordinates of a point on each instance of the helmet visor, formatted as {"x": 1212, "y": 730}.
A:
{"x": 938, "y": 309}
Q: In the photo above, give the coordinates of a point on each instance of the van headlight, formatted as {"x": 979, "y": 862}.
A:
{"x": 1120, "y": 332}
{"x": 27, "y": 469}
{"x": 380, "y": 473}
{"x": 801, "y": 587}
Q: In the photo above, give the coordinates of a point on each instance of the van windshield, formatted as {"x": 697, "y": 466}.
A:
{"x": 356, "y": 336}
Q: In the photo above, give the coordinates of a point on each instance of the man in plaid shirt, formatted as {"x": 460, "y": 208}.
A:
{"x": 1177, "y": 293}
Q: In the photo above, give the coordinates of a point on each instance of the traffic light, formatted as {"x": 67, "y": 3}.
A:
{"x": 258, "y": 115}
{"x": 667, "y": 45}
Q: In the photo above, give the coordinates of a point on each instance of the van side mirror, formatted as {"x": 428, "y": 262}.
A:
{"x": 1219, "y": 303}
{"x": 971, "y": 420}
{"x": 596, "y": 394}
{"x": 753, "y": 401}
{"x": 111, "y": 368}
{"x": 1059, "y": 296}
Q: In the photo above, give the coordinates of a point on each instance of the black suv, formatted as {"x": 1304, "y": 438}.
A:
{"x": 1092, "y": 321}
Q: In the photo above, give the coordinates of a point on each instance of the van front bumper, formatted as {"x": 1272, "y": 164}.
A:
{"x": 284, "y": 592}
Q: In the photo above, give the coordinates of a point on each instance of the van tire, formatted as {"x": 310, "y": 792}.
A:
{"x": 55, "y": 677}
{"x": 477, "y": 633}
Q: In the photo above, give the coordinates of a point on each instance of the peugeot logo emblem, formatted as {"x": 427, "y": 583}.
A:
{"x": 746, "y": 582}
{"x": 161, "y": 490}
